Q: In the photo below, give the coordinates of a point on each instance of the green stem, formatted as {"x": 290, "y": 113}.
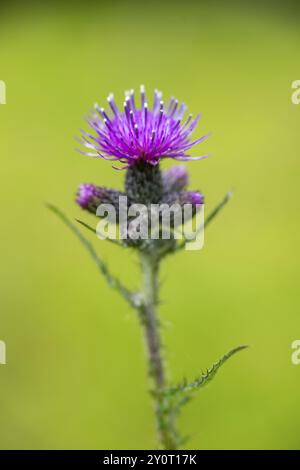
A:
{"x": 163, "y": 408}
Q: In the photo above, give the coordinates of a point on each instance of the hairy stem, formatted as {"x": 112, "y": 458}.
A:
{"x": 163, "y": 407}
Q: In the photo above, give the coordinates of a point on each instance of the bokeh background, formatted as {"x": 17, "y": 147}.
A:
{"x": 75, "y": 374}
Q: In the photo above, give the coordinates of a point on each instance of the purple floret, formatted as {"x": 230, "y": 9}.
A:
{"x": 144, "y": 133}
{"x": 90, "y": 196}
{"x": 193, "y": 197}
{"x": 85, "y": 193}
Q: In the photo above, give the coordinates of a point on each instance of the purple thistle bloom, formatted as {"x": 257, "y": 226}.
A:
{"x": 195, "y": 198}
{"x": 148, "y": 134}
{"x": 89, "y": 197}
{"x": 178, "y": 200}
{"x": 192, "y": 197}
{"x": 85, "y": 193}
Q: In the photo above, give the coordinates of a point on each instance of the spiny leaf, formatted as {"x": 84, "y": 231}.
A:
{"x": 102, "y": 266}
{"x": 205, "y": 377}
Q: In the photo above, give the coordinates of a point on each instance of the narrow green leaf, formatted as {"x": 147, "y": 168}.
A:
{"x": 92, "y": 229}
{"x": 205, "y": 377}
{"x": 101, "y": 265}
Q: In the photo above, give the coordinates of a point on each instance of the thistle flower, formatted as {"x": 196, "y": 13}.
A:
{"x": 181, "y": 199}
{"x": 139, "y": 138}
{"x": 195, "y": 198}
{"x": 148, "y": 134}
{"x": 89, "y": 197}
{"x": 175, "y": 178}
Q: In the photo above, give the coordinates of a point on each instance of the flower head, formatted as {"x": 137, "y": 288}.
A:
{"x": 86, "y": 193}
{"x": 175, "y": 178}
{"x": 195, "y": 198}
{"x": 192, "y": 197}
{"x": 89, "y": 197}
{"x": 141, "y": 133}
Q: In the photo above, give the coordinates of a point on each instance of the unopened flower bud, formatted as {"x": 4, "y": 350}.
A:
{"x": 89, "y": 197}
{"x": 175, "y": 178}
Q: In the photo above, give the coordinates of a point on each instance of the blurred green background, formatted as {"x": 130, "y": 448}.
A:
{"x": 75, "y": 374}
